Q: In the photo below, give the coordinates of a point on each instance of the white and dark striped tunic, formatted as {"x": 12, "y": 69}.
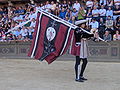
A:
{"x": 84, "y": 48}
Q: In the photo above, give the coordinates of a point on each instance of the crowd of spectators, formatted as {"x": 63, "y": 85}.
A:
{"x": 103, "y": 17}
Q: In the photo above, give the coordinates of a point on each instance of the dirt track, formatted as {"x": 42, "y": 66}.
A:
{"x": 36, "y": 75}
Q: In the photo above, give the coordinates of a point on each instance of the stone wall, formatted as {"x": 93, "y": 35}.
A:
{"x": 99, "y": 51}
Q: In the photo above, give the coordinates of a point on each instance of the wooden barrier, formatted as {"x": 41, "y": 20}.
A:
{"x": 99, "y": 51}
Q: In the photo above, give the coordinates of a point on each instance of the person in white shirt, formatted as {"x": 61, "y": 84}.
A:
{"x": 103, "y": 2}
{"x": 32, "y": 14}
{"x": 76, "y": 5}
{"x": 102, "y": 12}
{"x": 74, "y": 13}
{"x": 89, "y": 4}
{"x": 94, "y": 25}
{"x": 30, "y": 32}
{"x": 109, "y": 12}
{"x": 53, "y": 6}
{"x": 24, "y": 32}
{"x": 47, "y": 6}
{"x": 18, "y": 18}
{"x": 33, "y": 22}
{"x": 95, "y": 13}
{"x": 116, "y": 2}
{"x": 94, "y": 29}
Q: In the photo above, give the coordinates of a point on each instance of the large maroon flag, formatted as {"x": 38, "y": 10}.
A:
{"x": 51, "y": 38}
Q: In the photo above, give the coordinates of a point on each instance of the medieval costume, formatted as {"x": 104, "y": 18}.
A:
{"x": 79, "y": 48}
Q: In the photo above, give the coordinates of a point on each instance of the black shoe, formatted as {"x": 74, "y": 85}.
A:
{"x": 82, "y": 78}
{"x": 79, "y": 80}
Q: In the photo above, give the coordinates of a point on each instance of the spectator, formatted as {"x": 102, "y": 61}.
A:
{"x": 47, "y": 6}
{"x": 70, "y": 6}
{"x": 24, "y": 33}
{"x": 81, "y": 13}
{"x": 67, "y": 18}
{"x": 1, "y": 11}
{"x": 72, "y": 20}
{"x": 69, "y": 13}
{"x": 33, "y": 22}
{"x": 64, "y": 5}
{"x": 16, "y": 32}
{"x": 95, "y": 3}
{"x": 101, "y": 29}
{"x": 117, "y": 26}
{"x": 62, "y": 13}
{"x": 30, "y": 32}
{"x": 102, "y": 12}
{"x": 56, "y": 12}
{"x": 107, "y": 36}
{"x": 3, "y": 36}
{"x": 21, "y": 11}
{"x": 116, "y": 12}
{"x": 42, "y": 7}
{"x": 116, "y": 36}
{"x": 94, "y": 26}
{"x": 75, "y": 13}
{"x": 89, "y": 4}
{"x": 76, "y": 5}
{"x": 109, "y": 12}
{"x": 109, "y": 24}
{"x": 94, "y": 29}
{"x": 53, "y": 6}
{"x": 32, "y": 14}
{"x": 103, "y": 2}
{"x": 95, "y": 13}
{"x": 116, "y": 2}
{"x": 109, "y": 2}
{"x": 58, "y": 6}
{"x": 89, "y": 16}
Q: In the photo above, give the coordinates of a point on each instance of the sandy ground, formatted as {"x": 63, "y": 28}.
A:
{"x": 36, "y": 75}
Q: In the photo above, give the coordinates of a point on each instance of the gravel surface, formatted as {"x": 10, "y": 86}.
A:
{"x": 35, "y": 75}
